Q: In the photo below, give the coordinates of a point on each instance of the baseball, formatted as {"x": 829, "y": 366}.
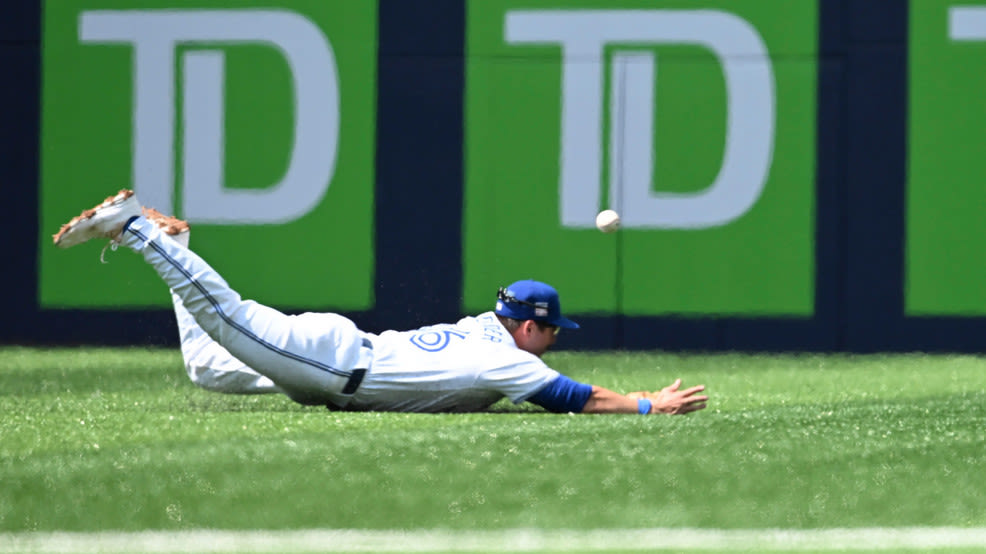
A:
{"x": 608, "y": 221}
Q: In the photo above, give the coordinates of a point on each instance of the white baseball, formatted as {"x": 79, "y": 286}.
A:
{"x": 608, "y": 221}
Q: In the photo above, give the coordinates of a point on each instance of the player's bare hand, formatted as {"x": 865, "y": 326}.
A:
{"x": 672, "y": 399}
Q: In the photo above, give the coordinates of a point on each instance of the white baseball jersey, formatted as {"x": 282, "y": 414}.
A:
{"x": 466, "y": 366}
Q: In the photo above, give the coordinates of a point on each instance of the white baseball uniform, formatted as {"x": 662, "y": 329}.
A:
{"x": 236, "y": 345}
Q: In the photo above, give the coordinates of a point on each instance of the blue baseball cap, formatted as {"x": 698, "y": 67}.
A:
{"x": 532, "y": 300}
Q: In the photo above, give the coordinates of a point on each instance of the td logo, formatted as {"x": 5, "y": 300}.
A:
{"x": 154, "y": 37}
{"x": 583, "y": 37}
{"x": 695, "y": 120}
{"x": 256, "y": 124}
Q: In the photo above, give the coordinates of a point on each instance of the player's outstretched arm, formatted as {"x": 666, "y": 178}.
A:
{"x": 672, "y": 399}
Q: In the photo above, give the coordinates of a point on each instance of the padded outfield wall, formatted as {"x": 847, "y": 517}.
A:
{"x": 792, "y": 175}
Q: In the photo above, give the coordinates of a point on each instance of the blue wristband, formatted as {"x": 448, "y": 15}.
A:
{"x": 643, "y": 406}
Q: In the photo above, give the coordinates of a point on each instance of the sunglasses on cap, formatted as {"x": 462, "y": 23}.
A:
{"x": 504, "y": 296}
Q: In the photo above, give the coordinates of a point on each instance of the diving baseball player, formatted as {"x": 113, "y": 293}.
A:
{"x": 235, "y": 345}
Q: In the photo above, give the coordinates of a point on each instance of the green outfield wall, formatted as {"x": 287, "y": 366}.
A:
{"x": 790, "y": 174}
{"x": 946, "y": 196}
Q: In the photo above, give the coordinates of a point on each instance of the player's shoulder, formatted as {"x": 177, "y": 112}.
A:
{"x": 487, "y": 328}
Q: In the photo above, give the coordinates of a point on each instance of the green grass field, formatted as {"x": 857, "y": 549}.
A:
{"x": 117, "y": 445}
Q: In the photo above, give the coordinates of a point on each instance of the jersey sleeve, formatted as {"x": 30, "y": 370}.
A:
{"x": 520, "y": 380}
{"x": 563, "y": 395}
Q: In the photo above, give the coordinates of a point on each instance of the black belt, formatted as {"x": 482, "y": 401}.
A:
{"x": 356, "y": 377}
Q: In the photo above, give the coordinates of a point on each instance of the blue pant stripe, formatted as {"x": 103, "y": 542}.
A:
{"x": 215, "y": 304}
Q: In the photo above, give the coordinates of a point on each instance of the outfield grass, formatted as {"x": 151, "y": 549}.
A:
{"x": 119, "y": 440}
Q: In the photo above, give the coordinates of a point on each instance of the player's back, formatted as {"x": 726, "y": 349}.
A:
{"x": 465, "y": 366}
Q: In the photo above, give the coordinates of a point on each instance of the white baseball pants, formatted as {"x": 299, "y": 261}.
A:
{"x": 315, "y": 358}
{"x": 209, "y": 365}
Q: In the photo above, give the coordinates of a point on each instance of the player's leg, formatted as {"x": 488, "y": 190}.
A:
{"x": 207, "y": 363}
{"x": 313, "y": 358}
{"x": 211, "y": 366}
